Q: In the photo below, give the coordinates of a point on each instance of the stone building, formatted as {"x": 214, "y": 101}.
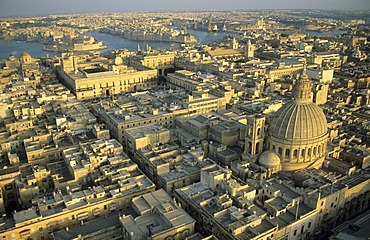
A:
{"x": 159, "y": 218}
{"x": 115, "y": 185}
{"x": 297, "y": 134}
{"x": 93, "y": 81}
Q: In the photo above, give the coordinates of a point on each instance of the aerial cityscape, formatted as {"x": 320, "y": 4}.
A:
{"x": 185, "y": 120}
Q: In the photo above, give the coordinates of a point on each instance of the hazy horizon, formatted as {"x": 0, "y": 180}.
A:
{"x": 44, "y": 7}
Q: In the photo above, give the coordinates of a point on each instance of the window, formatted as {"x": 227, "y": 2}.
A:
{"x": 287, "y": 152}
{"x": 302, "y": 229}
{"x": 295, "y": 232}
{"x": 257, "y": 147}
{"x": 280, "y": 150}
{"x": 309, "y": 224}
{"x": 295, "y": 153}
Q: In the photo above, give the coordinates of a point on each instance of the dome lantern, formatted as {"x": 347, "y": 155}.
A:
{"x": 302, "y": 88}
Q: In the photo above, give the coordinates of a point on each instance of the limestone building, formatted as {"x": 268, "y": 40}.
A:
{"x": 98, "y": 81}
{"x": 250, "y": 49}
{"x": 162, "y": 61}
{"x": 297, "y": 134}
{"x": 159, "y": 218}
{"x": 115, "y": 185}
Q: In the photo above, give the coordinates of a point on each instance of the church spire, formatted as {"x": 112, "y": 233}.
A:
{"x": 302, "y": 88}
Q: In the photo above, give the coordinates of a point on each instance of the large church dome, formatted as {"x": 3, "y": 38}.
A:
{"x": 25, "y": 57}
{"x": 298, "y": 131}
{"x": 300, "y": 122}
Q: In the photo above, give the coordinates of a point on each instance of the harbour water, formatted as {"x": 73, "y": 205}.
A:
{"x": 15, "y": 48}
{"x": 117, "y": 42}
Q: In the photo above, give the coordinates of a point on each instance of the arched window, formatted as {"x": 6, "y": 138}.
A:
{"x": 287, "y": 152}
{"x": 295, "y": 153}
{"x": 303, "y": 152}
{"x": 309, "y": 152}
{"x": 257, "y": 148}
{"x": 314, "y": 151}
{"x": 280, "y": 151}
{"x": 258, "y": 131}
{"x": 185, "y": 233}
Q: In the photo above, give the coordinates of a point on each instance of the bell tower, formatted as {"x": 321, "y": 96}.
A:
{"x": 254, "y": 137}
{"x": 235, "y": 44}
{"x": 250, "y": 49}
{"x": 209, "y": 28}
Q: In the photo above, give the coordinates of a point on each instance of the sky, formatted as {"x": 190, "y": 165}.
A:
{"x": 35, "y": 7}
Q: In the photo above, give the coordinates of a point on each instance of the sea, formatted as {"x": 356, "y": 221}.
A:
{"x": 16, "y": 48}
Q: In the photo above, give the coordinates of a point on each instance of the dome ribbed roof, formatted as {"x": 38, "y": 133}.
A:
{"x": 25, "y": 55}
{"x": 299, "y": 119}
{"x": 298, "y": 122}
{"x": 269, "y": 159}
